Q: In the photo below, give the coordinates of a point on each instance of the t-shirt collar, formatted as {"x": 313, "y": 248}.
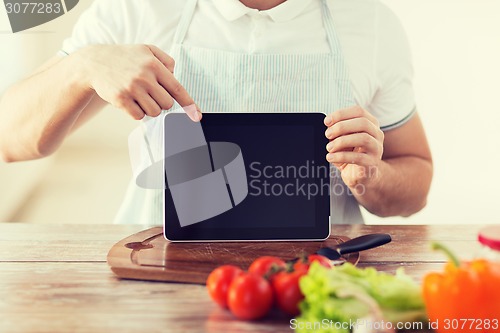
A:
{"x": 233, "y": 9}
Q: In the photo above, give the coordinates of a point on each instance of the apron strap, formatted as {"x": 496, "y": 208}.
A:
{"x": 185, "y": 21}
{"x": 329, "y": 25}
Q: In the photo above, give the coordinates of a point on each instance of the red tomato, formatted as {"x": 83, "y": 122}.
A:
{"x": 250, "y": 296}
{"x": 287, "y": 291}
{"x": 263, "y": 265}
{"x": 218, "y": 283}
{"x": 302, "y": 265}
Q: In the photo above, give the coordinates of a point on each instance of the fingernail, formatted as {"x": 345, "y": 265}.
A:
{"x": 198, "y": 115}
{"x": 193, "y": 112}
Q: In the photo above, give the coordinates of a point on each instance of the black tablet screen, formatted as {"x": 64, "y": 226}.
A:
{"x": 286, "y": 173}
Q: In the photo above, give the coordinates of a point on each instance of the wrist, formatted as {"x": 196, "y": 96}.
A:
{"x": 81, "y": 60}
{"x": 369, "y": 179}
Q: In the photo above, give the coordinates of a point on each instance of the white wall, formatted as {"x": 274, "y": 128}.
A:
{"x": 456, "y": 49}
{"x": 17, "y": 60}
{"x": 20, "y": 54}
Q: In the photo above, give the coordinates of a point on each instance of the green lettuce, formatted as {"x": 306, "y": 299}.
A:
{"x": 346, "y": 294}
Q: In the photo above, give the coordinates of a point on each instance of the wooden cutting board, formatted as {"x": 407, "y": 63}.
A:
{"x": 147, "y": 255}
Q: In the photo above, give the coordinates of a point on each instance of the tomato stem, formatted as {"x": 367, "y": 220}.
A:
{"x": 289, "y": 267}
{"x": 274, "y": 269}
{"x": 451, "y": 256}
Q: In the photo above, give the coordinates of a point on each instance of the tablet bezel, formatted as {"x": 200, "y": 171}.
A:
{"x": 320, "y": 230}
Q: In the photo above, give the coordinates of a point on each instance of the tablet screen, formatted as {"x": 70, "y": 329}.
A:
{"x": 287, "y": 180}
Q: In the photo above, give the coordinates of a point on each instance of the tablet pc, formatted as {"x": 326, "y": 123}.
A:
{"x": 258, "y": 177}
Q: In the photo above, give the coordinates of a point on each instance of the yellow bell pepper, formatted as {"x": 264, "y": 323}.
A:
{"x": 465, "y": 297}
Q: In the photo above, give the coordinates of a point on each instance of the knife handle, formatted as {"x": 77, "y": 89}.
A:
{"x": 362, "y": 243}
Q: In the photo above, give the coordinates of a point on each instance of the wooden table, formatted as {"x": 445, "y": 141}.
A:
{"x": 54, "y": 278}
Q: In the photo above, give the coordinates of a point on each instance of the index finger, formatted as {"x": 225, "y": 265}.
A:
{"x": 349, "y": 113}
{"x": 175, "y": 89}
{"x": 179, "y": 93}
{"x": 169, "y": 82}
{"x": 164, "y": 58}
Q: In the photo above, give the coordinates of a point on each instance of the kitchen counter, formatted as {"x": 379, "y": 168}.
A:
{"x": 54, "y": 278}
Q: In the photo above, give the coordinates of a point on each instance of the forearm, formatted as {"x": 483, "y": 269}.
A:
{"x": 398, "y": 187}
{"x": 38, "y": 112}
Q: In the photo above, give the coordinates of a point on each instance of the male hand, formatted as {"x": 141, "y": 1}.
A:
{"x": 136, "y": 78}
{"x": 356, "y": 145}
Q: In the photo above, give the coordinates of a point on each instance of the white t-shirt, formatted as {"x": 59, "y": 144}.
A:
{"x": 372, "y": 39}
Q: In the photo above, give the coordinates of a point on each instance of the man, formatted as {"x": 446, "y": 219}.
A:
{"x": 346, "y": 58}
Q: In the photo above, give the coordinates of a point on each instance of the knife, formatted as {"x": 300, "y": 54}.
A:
{"x": 357, "y": 244}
